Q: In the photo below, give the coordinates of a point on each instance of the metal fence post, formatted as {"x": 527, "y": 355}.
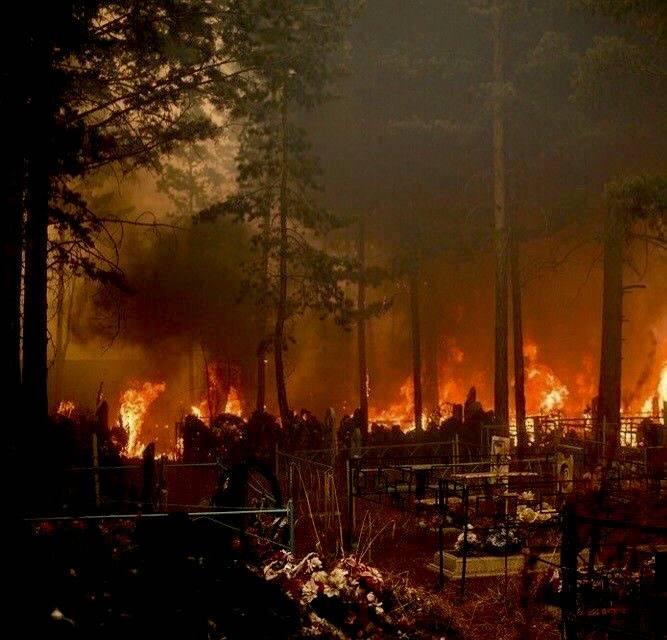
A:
{"x": 465, "y": 540}
{"x": 290, "y": 520}
{"x": 96, "y": 475}
{"x": 441, "y": 538}
{"x": 291, "y": 481}
{"x": 276, "y": 463}
{"x": 350, "y": 503}
{"x": 568, "y": 569}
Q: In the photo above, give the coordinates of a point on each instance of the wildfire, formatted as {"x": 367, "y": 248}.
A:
{"x": 232, "y": 406}
{"x": 659, "y": 397}
{"x": 66, "y": 408}
{"x": 134, "y": 404}
{"x": 401, "y": 412}
{"x": 544, "y": 390}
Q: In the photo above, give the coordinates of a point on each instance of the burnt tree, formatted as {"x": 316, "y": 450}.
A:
{"x": 611, "y": 347}
{"x": 501, "y": 385}
{"x": 361, "y": 323}
{"x": 415, "y": 327}
{"x": 517, "y": 342}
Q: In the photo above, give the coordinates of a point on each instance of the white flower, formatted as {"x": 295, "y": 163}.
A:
{"x": 338, "y": 578}
{"x": 472, "y": 538}
{"x": 313, "y": 563}
{"x": 57, "y": 614}
{"x": 320, "y": 576}
{"x": 527, "y": 515}
{"x": 309, "y": 591}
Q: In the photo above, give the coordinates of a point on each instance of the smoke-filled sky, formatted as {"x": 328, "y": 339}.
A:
{"x": 406, "y": 142}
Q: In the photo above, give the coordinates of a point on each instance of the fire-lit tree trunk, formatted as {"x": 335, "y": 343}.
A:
{"x": 35, "y": 306}
{"x": 431, "y": 373}
{"x": 64, "y": 308}
{"x": 36, "y": 241}
{"x": 281, "y": 310}
{"x": 263, "y": 329}
{"x": 416, "y": 348}
{"x": 517, "y": 327}
{"x": 361, "y": 324}
{"x": 11, "y": 220}
{"x": 501, "y": 386}
{"x": 192, "y": 396}
{"x": 609, "y": 393}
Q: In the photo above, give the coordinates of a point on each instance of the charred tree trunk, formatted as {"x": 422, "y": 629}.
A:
{"x": 517, "y": 327}
{"x": 281, "y": 310}
{"x": 64, "y": 305}
{"x": 263, "y": 329}
{"x": 12, "y": 221}
{"x": 416, "y": 349}
{"x": 191, "y": 373}
{"x": 501, "y": 386}
{"x": 609, "y": 393}
{"x": 260, "y": 400}
{"x": 361, "y": 325}
{"x": 431, "y": 373}
{"x": 35, "y": 369}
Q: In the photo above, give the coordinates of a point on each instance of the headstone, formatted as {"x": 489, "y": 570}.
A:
{"x": 564, "y": 472}
{"x": 500, "y": 449}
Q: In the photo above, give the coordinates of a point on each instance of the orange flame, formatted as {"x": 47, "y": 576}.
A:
{"x": 66, "y": 408}
{"x": 401, "y": 412}
{"x": 232, "y": 406}
{"x": 134, "y": 404}
{"x": 545, "y": 393}
{"x": 656, "y": 401}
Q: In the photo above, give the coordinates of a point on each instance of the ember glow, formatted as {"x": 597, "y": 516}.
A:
{"x": 232, "y": 406}
{"x": 545, "y": 393}
{"x": 134, "y": 404}
{"x": 401, "y": 412}
{"x": 653, "y": 405}
{"x": 66, "y": 408}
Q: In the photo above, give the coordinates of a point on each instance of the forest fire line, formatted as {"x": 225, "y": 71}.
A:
{"x": 546, "y": 394}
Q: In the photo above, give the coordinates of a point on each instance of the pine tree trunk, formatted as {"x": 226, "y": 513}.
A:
{"x": 59, "y": 343}
{"x": 431, "y": 372}
{"x": 260, "y": 403}
{"x": 519, "y": 370}
{"x": 361, "y": 325}
{"x": 35, "y": 302}
{"x": 501, "y": 386}
{"x": 609, "y": 393}
{"x": 260, "y": 400}
{"x": 191, "y": 373}
{"x": 35, "y": 306}
{"x": 281, "y": 311}
{"x": 11, "y": 221}
{"x": 416, "y": 349}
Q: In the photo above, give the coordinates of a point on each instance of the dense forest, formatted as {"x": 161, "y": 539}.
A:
{"x": 335, "y": 204}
